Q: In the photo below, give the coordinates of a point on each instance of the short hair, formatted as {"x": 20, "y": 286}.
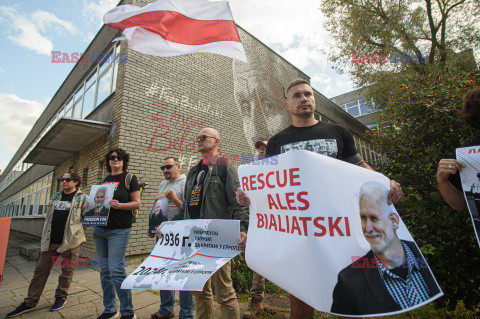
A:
{"x": 369, "y": 188}
{"x": 175, "y": 160}
{"x": 74, "y": 176}
{"x": 102, "y": 189}
{"x": 297, "y": 82}
{"x": 471, "y": 108}
{"x": 120, "y": 152}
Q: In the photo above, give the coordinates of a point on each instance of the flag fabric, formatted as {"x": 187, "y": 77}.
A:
{"x": 176, "y": 27}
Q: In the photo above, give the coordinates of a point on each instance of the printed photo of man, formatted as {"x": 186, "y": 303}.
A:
{"x": 99, "y": 208}
{"x": 393, "y": 275}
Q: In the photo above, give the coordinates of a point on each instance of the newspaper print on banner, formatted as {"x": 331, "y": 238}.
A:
{"x": 98, "y": 208}
{"x": 470, "y": 177}
{"x": 158, "y": 214}
{"x": 189, "y": 252}
{"x": 305, "y": 219}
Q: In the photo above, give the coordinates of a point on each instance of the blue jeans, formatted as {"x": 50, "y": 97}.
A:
{"x": 167, "y": 301}
{"x": 111, "y": 245}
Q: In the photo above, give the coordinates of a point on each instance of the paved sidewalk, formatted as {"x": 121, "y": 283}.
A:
{"x": 85, "y": 293}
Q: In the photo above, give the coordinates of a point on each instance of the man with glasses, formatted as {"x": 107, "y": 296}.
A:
{"x": 173, "y": 188}
{"x": 210, "y": 194}
{"x": 61, "y": 237}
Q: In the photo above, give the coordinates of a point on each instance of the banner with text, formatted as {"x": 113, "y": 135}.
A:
{"x": 98, "y": 208}
{"x": 470, "y": 177}
{"x": 189, "y": 252}
{"x": 335, "y": 242}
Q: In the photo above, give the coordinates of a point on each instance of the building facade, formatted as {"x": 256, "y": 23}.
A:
{"x": 152, "y": 107}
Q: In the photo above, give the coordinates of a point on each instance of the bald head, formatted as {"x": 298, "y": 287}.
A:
{"x": 208, "y": 141}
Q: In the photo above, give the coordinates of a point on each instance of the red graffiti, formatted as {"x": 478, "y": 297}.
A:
{"x": 177, "y": 137}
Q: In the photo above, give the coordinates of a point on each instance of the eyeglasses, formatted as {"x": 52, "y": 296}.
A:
{"x": 114, "y": 157}
{"x": 202, "y": 138}
{"x": 167, "y": 167}
{"x": 68, "y": 180}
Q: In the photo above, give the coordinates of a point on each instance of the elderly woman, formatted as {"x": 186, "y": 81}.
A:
{"x": 111, "y": 241}
{"x": 448, "y": 176}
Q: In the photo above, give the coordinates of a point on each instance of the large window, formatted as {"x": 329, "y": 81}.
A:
{"x": 87, "y": 96}
{"x": 358, "y": 108}
{"x": 30, "y": 201}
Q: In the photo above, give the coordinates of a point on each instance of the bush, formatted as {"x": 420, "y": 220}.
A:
{"x": 420, "y": 124}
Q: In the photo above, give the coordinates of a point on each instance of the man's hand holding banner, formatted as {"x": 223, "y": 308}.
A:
{"x": 335, "y": 242}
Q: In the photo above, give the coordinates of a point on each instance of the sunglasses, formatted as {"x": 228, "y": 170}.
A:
{"x": 68, "y": 180}
{"x": 202, "y": 138}
{"x": 167, "y": 167}
{"x": 114, "y": 157}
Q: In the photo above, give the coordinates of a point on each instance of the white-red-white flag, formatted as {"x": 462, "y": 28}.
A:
{"x": 176, "y": 27}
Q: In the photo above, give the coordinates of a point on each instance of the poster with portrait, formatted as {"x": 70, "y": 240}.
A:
{"x": 158, "y": 214}
{"x": 335, "y": 241}
{"x": 98, "y": 208}
{"x": 470, "y": 177}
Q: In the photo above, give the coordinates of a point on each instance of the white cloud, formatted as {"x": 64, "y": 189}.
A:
{"x": 17, "y": 117}
{"x": 2, "y": 69}
{"x": 94, "y": 11}
{"x": 26, "y": 31}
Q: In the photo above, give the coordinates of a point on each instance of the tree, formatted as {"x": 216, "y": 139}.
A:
{"x": 418, "y": 105}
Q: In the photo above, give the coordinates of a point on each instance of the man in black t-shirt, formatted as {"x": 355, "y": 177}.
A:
{"x": 61, "y": 237}
{"x": 329, "y": 139}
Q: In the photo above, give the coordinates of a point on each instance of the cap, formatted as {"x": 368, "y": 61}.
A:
{"x": 260, "y": 143}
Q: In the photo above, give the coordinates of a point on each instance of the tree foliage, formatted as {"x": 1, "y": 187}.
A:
{"x": 419, "y": 126}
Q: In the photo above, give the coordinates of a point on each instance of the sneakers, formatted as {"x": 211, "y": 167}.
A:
{"x": 132, "y": 316}
{"x": 59, "y": 303}
{"x": 156, "y": 315}
{"x": 108, "y": 315}
{"x": 20, "y": 309}
{"x": 255, "y": 307}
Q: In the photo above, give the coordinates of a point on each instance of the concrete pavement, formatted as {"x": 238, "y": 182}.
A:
{"x": 85, "y": 293}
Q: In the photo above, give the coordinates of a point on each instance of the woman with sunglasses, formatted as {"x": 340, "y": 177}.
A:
{"x": 111, "y": 241}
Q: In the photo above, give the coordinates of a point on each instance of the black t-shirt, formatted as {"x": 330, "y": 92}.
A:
{"x": 329, "y": 139}
{"x": 455, "y": 179}
{"x": 195, "y": 198}
{"x": 119, "y": 218}
{"x": 59, "y": 218}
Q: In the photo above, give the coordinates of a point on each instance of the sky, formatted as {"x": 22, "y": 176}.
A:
{"x": 30, "y": 30}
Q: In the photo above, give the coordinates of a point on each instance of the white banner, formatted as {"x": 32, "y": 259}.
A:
{"x": 189, "y": 253}
{"x": 306, "y": 235}
{"x": 470, "y": 156}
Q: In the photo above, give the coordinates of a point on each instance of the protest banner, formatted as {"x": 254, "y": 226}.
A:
{"x": 189, "y": 252}
{"x": 4, "y": 233}
{"x": 158, "y": 214}
{"x": 470, "y": 177}
{"x": 98, "y": 208}
{"x": 332, "y": 247}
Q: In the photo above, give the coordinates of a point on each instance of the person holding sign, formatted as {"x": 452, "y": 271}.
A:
{"x": 210, "y": 194}
{"x": 111, "y": 241}
{"x": 448, "y": 176}
{"x": 393, "y": 275}
{"x": 61, "y": 237}
{"x": 172, "y": 190}
{"x": 301, "y": 105}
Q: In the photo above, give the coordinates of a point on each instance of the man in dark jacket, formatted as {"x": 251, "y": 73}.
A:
{"x": 210, "y": 194}
{"x": 393, "y": 275}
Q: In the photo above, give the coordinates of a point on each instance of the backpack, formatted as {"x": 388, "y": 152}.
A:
{"x": 128, "y": 180}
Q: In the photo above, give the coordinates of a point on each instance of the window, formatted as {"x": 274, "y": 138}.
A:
{"x": 358, "y": 108}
